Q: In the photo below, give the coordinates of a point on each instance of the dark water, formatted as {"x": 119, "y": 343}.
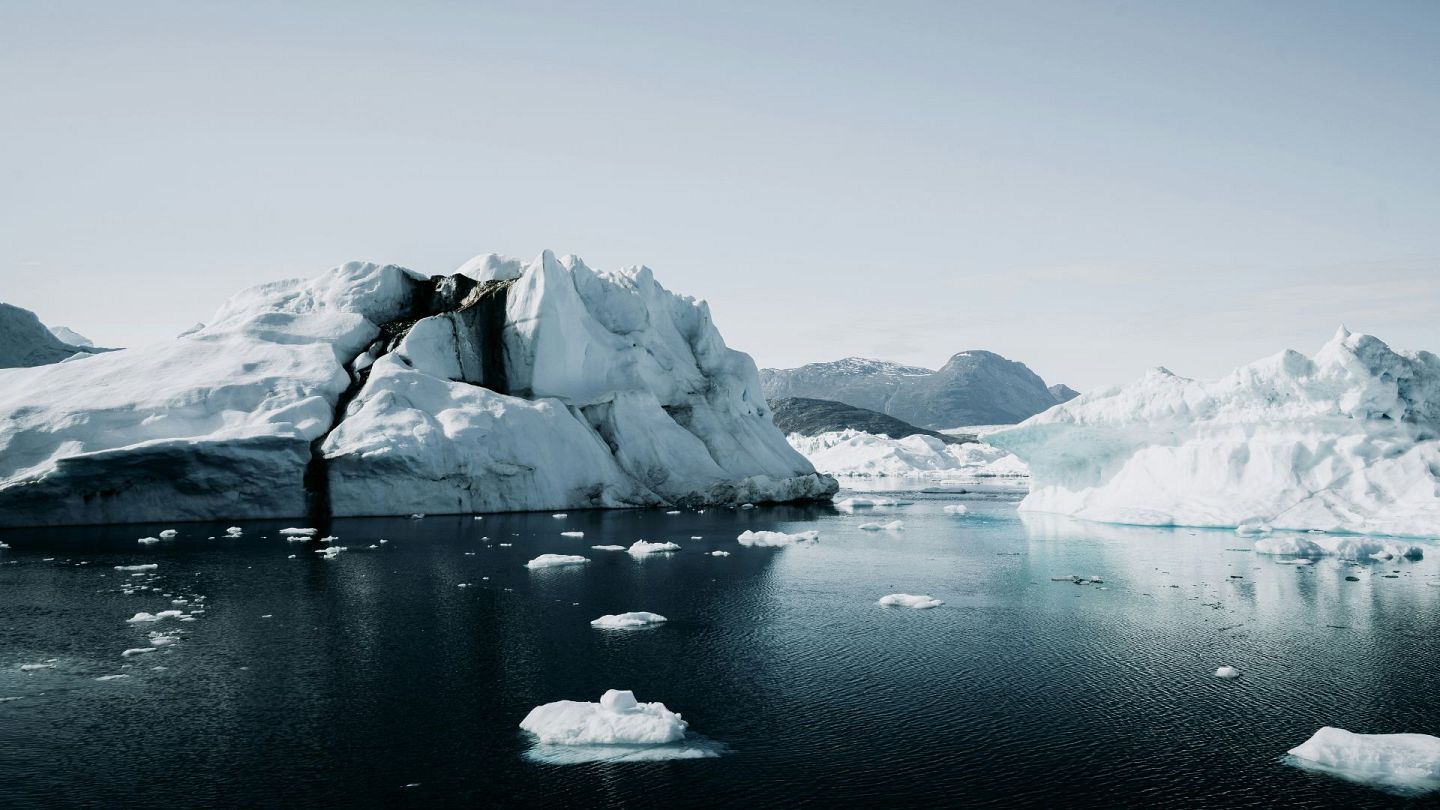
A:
{"x": 375, "y": 672}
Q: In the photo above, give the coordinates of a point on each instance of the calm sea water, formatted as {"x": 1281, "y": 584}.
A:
{"x": 373, "y": 679}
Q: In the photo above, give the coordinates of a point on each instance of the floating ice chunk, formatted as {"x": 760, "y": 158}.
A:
{"x": 111, "y": 677}
{"x": 719, "y": 554}
{"x": 750, "y": 538}
{"x": 673, "y": 512}
{"x": 892, "y": 526}
{"x": 133, "y": 651}
{"x": 330, "y": 552}
{"x": 747, "y": 506}
{"x": 957, "y": 509}
{"x": 1227, "y": 673}
{"x": 554, "y": 560}
{"x": 142, "y": 616}
{"x": 696, "y": 537}
{"x": 162, "y": 639}
{"x": 35, "y": 667}
{"x": 639, "y": 618}
{"x": 306, "y": 532}
{"x": 1403, "y": 762}
{"x": 4, "y": 546}
{"x": 853, "y": 503}
{"x": 1348, "y": 547}
{"x": 329, "y": 538}
{"x": 168, "y": 533}
{"x": 559, "y": 515}
{"x": 640, "y": 548}
{"x": 910, "y": 600}
{"x": 1252, "y": 527}
{"x": 618, "y": 719}
{"x": 608, "y": 548}
{"x": 1300, "y": 561}
{"x": 417, "y": 516}
{"x": 170, "y": 614}
{"x": 572, "y": 534}
{"x": 144, "y": 567}
{"x": 146, "y": 541}
{"x": 234, "y": 531}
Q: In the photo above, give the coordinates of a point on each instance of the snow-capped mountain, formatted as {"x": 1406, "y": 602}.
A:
{"x": 1348, "y": 440}
{"x": 973, "y": 388}
{"x": 25, "y": 342}
{"x": 375, "y": 390}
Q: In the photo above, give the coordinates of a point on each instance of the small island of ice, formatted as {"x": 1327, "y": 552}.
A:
{"x": 776, "y": 539}
{"x": 910, "y": 600}
{"x": 555, "y": 561}
{"x": 1403, "y": 762}
{"x": 641, "y": 548}
{"x": 618, "y": 719}
{"x": 638, "y": 618}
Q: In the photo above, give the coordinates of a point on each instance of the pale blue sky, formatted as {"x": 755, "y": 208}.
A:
{"x": 1089, "y": 187}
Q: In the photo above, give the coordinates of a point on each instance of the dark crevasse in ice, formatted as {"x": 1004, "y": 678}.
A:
{"x": 475, "y": 310}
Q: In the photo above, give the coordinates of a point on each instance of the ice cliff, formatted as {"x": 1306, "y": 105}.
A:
{"x": 1348, "y": 440}
{"x": 375, "y": 390}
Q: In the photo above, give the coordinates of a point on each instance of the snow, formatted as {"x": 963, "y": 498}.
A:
{"x": 854, "y": 453}
{"x": 892, "y": 526}
{"x": 910, "y": 600}
{"x": 555, "y": 561}
{"x": 639, "y": 618}
{"x": 1347, "y": 440}
{"x": 1346, "y": 547}
{"x": 640, "y": 548}
{"x": 616, "y": 393}
{"x": 1227, "y": 673}
{"x": 753, "y": 538}
{"x": 618, "y": 719}
{"x": 1408, "y": 762}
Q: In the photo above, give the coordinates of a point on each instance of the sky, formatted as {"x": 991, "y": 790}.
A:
{"x": 1092, "y": 188}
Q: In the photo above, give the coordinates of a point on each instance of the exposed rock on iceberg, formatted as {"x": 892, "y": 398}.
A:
{"x": 374, "y": 390}
{"x": 1346, "y": 441}
{"x": 1407, "y": 763}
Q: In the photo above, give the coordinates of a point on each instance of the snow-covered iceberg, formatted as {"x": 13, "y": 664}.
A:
{"x": 375, "y": 390}
{"x": 618, "y": 719}
{"x": 637, "y": 618}
{"x": 1408, "y": 763}
{"x": 854, "y": 453}
{"x": 1348, "y": 440}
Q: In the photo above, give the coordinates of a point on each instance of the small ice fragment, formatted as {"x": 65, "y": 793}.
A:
{"x": 554, "y": 560}
{"x": 133, "y": 651}
{"x": 477, "y": 517}
{"x": 306, "y": 532}
{"x": 719, "y": 554}
{"x": 144, "y": 567}
{"x": 696, "y": 537}
{"x": 639, "y": 618}
{"x": 892, "y": 526}
{"x": 383, "y": 542}
{"x": 559, "y": 515}
{"x": 330, "y": 552}
{"x": 1406, "y": 762}
{"x": 956, "y": 509}
{"x": 1227, "y": 672}
{"x": 640, "y": 548}
{"x": 35, "y": 667}
{"x": 168, "y": 533}
{"x": 417, "y": 516}
{"x": 673, "y": 512}
{"x": 747, "y": 506}
{"x": 608, "y": 548}
{"x": 1252, "y": 527}
{"x": 111, "y": 677}
{"x": 910, "y": 600}
{"x": 142, "y": 616}
{"x": 572, "y": 534}
{"x": 234, "y": 531}
{"x": 146, "y": 541}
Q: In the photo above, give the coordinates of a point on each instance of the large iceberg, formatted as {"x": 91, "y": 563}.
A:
{"x": 1348, "y": 440}
{"x": 860, "y": 454}
{"x": 374, "y": 390}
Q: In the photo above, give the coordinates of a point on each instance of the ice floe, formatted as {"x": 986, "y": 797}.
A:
{"x": 892, "y": 526}
{"x": 300, "y": 532}
{"x": 957, "y": 509}
{"x": 608, "y": 548}
{"x": 641, "y": 548}
{"x": 1227, "y": 672}
{"x": 618, "y": 719}
{"x": 572, "y": 534}
{"x": 1407, "y": 763}
{"x": 1347, "y": 547}
{"x": 910, "y": 600}
{"x": 142, "y": 567}
{"x": 555, "y": 560}
{"x": 754, "y": 538}
{"x": 639, "y": 618}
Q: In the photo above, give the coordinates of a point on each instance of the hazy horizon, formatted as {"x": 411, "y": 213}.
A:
{"x": 1091, "y": 189}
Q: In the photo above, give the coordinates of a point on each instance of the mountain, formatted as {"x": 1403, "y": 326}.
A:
{"x": 375, "y": 390}
{"x": 25, "y": 342}
{"x": 68, "y": 335}
{"x": 1344, "y": 441}
{"x": 855, "y": 381}
{"x": 1062, "y": 392}
{"x": 811, "y": 417}
{"x": 973, "y": 388}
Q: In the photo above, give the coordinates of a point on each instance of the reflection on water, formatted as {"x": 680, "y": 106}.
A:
{"x": 309, "y": 681}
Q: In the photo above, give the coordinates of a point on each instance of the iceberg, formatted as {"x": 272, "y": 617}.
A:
{"x": 555, "y": 561}
{"x": 910, "y": 600}
{"x": 374, "y": 390}
{"x": 1408, "y": 763}
{"x": 856, "y": 454}
{"x": 776, "y": 539}
{"x": 641, "y": 548}
{"x": 1349, "y": 547}
{"x": 1347, "y": 441}
{"x": 618, "y": 719}
{"x": 639, "y": 618}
